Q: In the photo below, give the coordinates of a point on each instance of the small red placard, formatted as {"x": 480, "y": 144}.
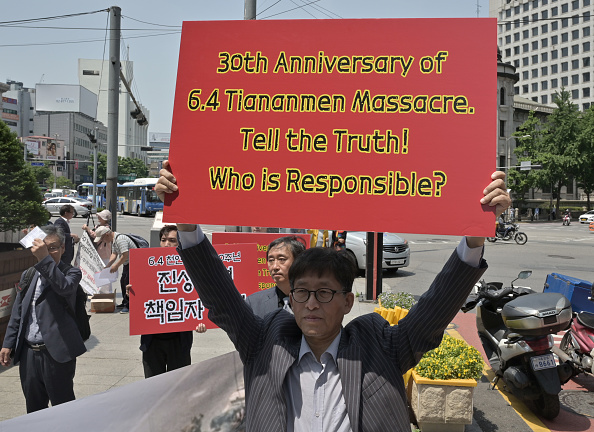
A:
{"x": 163, "y": 298}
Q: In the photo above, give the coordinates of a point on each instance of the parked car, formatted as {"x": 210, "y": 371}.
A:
{"x": 49, "y": 195}
{"x": 396, "y": 250}
{"x": 81, "y": 206}
{"x": 587, "y": 217}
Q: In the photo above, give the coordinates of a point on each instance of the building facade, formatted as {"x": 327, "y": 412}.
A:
{"x": 550, "y": 42}
{"x": 18, "y": 108}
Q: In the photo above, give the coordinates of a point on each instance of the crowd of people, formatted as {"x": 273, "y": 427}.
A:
{"x": 302, "y": 367}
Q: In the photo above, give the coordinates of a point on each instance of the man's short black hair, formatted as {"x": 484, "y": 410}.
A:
{"x": 166, "y": 230}
{"x": 295, "y": 244}
{"x": 320, "y": 261}
{"x": 66, "y": 208}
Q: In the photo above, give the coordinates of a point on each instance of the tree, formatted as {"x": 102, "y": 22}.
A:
{"x": 20, "y": 197}
{"x": 585, "y": 173}
{"x": 62, "y": 182}
{"x": 528, "y": 148}
{"x": 125, "y": 166}
{"x": 560, "y": 149}
{"x": 41, "y": 174}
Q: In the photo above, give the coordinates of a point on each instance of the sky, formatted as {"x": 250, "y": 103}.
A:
{"x": 48, "y": 51}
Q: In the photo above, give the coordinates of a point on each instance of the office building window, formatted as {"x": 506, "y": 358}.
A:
{"x": 507, "y": 26}
{"x": 525, "y": 34}
{"x": 544, "y": 56}
{"x": 564, "y": 66}
{"x": 534, "y": 87}
{"x": 517, "y": 90}
{"x": 554, "y": 11}
{"x": 544, "y": 43}
{"x": 544, "y": 71}
{"x": 554, "y": 83}
{"x": 525, "y": 61}
{"x": 534, "y": 73}
{"x": 564, "y": 37}
{"x": 564, "y": 81}
{"x": 508, "y": 13}
{"x": 586, "y": 77}
{"x": 525, "y": 75}
{"x": 564, "y": 8}
{"x": 516, "y": 23}
{"x": 544, "y": 14}
{"x": 575, "y": 94}
{"x": 544, "y": 85}
{"x": 586, "y": 16}
{"x": 575, "y": 34}
{"x": 544, "y": 99}
{"x": 508, "y": 52}
{"x": 516, "y": 63}
{"x": 554, "y": 54}
{"x": 575, "y": 20}
{"x": 554, "y": 40}
{"x": 584, "y": 107}
{"x": 534, "y": 4}
{"x": 502, "y": 128}
{"x": 575, "y": 4}
{"x": 554, "y": 25}
{"x": 544, "y": 2}
{"x": 516, "y": 37}
{"x": 534, "y": 19}
{"x": 564, "y": 52}
{"x": 544, "y": 28}
{"x": 525, "y": 7}
{"x": 516, "y": 50}
{"x": 535, "y": 59}
{"x": 554, "y": 69}
{"x": 525, "y": 47}
{"x": 534, "y": 98}
{"x": 508, "y": 39}
{"x": 575, "y": 79}
{"x": 575, "y": 64}
{"x": 525, "y": 88}
{"x": 586, "y": 31}
{"x": 586, "y": 46}
{"x": 517, "y": 10}
{"x": 575, "y": 49}
{"x": 534, "y": 45}
{"x": 586, "y": 92}
{"x": 535, "y": 31}
{"x": 564, "y": 22}
{"x": 586, "y": 3}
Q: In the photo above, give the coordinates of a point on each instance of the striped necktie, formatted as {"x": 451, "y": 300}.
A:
{"x": 287, "y": 306}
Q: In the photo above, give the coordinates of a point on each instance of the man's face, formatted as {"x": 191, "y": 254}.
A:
{"x": 321, "y": 321}
{"x": 69, "y": 214}
{"x": 54, "y": 247}
{"x": 280, "y": 259}
{"x": 169, "y": 239}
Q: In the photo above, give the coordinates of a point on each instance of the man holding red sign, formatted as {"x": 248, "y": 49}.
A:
{"x": 306, "y": 370}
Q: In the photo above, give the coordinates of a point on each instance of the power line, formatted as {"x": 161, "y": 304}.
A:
{"x": 292, "y": 9}
{"x": 76, "y": 28}
{"x": 52, "y": 17}
{"x": 149, "y": 23}
{"x": 163, "y": 33}
{"x": 272, "y": 5}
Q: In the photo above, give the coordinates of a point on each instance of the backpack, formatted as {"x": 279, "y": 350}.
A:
{"x": 140, "y": 242}
{"x": 80, "y": 304}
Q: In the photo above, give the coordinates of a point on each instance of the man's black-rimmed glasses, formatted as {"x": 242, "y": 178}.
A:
{"x": 324, "y": 295}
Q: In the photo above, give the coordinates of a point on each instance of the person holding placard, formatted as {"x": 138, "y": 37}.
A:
{"x": 308, "y": 371}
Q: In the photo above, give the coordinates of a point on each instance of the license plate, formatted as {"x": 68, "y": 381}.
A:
{"x": 398, "y": 261}
{"x": 546, "y": 361}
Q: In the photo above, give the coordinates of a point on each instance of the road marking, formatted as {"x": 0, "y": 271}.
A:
{"x": 531, "y": 419}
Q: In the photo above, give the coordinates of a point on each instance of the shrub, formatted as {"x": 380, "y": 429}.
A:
{"x": 401, "y": 299}
{"x": 452, "y": 359}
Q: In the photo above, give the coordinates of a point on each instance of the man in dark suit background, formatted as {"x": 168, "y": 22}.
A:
{"x": 63, "y": 222}
{"x": 279, "y": 256}
{"x": 307, "y": 371}
{"x": 42, "y": 336}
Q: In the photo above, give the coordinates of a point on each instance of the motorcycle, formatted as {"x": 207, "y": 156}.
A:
{"x": 566, "y": 220}
{"x": 578, "y": 342}
{"x": 516, "y": 326}
{"x": 511, "y": 232}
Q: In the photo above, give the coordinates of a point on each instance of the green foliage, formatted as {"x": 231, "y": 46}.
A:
{"x": 20, "y": 197}
{"x": 62, "y": 182}
{"x": 41, "y": 174}
{"x": 125, "y": 166}
{"x": 401, "y": 299}
{"x": 452, "y": 359}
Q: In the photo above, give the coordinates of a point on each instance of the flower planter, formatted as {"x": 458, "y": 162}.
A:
{"x": 442, "y": 405}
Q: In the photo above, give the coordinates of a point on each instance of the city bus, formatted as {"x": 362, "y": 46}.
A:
{"x": 139, "y": 197}
{"x": 85, "y": 190}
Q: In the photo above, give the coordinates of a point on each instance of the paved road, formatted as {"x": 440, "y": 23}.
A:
{"x": 551, "y": 247}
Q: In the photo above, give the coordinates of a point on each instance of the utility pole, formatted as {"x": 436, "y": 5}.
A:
{"x": 249, "y": 11}
{"x": 113, "y": 100}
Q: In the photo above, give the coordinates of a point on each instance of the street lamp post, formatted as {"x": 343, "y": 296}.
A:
{"x": 55, "y": 162}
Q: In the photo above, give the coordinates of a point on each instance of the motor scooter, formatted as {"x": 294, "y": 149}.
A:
{"x": 578, "y": 342}
{"x": 512, "y": 231}
{"x": 516, "y": 326}
{"x": 566, "y": 220}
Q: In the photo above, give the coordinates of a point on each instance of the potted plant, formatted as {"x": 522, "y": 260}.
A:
{"x": 443, "y": 385}
{"x": 402, "y": 300}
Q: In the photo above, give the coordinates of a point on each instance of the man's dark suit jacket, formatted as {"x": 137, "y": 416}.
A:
{"x": 58, "y": 328}
{"x": 263, "y": 302}
{"x": 186, "y": 338}
{"x": 68, "y": 254}
{"x": 372, "y": 355}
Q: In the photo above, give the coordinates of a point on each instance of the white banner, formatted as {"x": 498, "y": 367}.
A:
{"x": 6, "y": 300}
{"x": 89, "y": 263}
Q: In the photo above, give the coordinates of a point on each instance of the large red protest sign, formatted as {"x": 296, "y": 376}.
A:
{"x": 262, "y": 241}
{"x": 163, "y": 298}
{"x": 356, "y": 124}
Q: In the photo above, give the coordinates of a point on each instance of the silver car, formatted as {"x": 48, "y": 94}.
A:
{"x": 587, "y": 217}
{"x": 81, "y": 206}
{"x": 396, "y": 251}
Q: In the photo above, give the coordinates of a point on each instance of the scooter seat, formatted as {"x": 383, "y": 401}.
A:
{"x": 586, "y": 319}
